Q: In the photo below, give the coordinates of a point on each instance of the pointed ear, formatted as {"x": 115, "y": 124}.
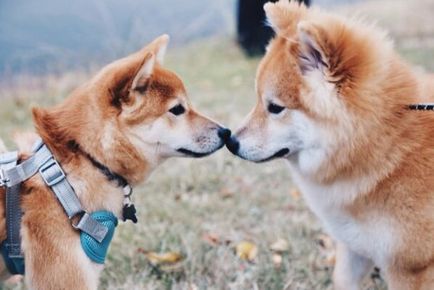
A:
{"x": 159, "y": 47}
{"x": 284, "y": 16}
{"x": 313, "y": 47}
{"x": 141, "y": 78}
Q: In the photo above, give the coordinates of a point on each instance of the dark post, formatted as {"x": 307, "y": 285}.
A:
{"x": 253, "y": 34}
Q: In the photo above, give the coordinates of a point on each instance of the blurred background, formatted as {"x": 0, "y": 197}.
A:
{"x": 40, "y": 36}
{"x": 230, "y": 224}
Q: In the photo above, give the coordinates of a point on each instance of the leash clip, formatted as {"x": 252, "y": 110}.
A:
{"x": 128, "y": 191}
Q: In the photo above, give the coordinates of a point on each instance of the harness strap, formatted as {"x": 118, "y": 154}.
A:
{"x": 11, "y": 248}
{"x": 13, "y": 211}
{"x": 42, "y": 161}
{"x": 13, "y": 221}
{"x": 25, "y": 170}
{"x": 55, "y": 178}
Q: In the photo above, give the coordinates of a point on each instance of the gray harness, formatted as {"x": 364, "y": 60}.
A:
{"x": 11, "y": 248}
{"x": 12, "y": 175}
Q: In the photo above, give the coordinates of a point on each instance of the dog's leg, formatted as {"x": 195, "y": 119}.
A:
{"x": 67, "y": 268}
{"x": 4, "y": 273}
{"x": 350, "y": 269}
{"x": 53, "y": 253}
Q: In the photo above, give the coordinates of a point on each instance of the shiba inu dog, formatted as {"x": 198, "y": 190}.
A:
{"x": 333, "y": 99}
{"x": 130, "y": 117}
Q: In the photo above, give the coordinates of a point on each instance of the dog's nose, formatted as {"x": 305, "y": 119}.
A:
{"x": 233, "y": 145}
{"x": 224, "y": 134}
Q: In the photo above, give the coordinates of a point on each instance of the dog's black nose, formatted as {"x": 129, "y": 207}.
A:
{"x": 233, "y": 145}
{"x": 224, "y": 134}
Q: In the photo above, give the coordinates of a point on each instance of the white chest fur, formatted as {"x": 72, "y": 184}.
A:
{"x": 373, "y": 235}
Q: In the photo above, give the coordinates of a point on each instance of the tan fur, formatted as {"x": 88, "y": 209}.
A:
{"x": 373, "y": 184}
{"x": 111, "y": 118}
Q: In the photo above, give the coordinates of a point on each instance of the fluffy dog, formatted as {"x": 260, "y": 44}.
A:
{"x": 333, "y": 100}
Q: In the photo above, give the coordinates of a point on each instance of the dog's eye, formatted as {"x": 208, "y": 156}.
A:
{"x": 275, "y": 109}
{"x": 177, "y": 110}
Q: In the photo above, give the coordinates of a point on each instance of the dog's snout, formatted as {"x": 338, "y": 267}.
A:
{"x": 224, "y": 134}
{"x": 233, "y": 145}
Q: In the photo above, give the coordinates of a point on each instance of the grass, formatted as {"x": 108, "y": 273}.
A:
{"x": 220, "y": 195}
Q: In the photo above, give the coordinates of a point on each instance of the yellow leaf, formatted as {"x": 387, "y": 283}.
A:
{"x": 163, "y": 258}
{"x": 246, "y": 251}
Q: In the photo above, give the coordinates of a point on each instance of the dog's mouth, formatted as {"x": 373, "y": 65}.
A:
{"x": 278, "y": 154}
{"x": 195, "y": 154}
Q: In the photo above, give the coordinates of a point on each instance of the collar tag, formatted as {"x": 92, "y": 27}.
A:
{"x": 129, "y": 210}
{"x": 129, "y": 213}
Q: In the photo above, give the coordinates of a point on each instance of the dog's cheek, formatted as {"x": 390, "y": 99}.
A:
{"x": 172, "y": 133}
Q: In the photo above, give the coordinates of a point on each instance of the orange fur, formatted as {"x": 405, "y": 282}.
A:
{"x": 111, "y": 118}
{"x": 372, "y": 185}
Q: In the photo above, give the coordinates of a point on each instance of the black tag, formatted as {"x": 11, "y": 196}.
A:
{"x": 129, "y": 213}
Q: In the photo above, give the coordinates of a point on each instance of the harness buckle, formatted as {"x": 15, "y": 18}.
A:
{"x": 90, "y": 226}
{"x": 51, "y": 172}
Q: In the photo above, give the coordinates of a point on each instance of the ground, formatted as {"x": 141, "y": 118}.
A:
{"x": 204, "y": 208}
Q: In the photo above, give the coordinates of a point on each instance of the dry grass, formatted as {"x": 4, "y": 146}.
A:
{"x": 220, "y": 195}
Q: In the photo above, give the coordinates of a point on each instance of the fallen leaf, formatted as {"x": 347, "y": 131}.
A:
{"x": 226, "y": 193}
{"x": 246, "y": 251}
{"x": 325, "y": 242}
{"x": 167, "y": 258}
{"x": 280, "y": 246}
{"x": 211, "y": 239}
{"x": 327, "y": 249}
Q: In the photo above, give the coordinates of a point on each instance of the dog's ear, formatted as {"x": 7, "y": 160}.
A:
{"x": 141, "y": 79}
{"x": 132, "y": 72}
{"x": 133, "y": 75}
{"x": 283, "y": 16}
{"x": 159, "y": 47}
{"x": 313, "y": 47}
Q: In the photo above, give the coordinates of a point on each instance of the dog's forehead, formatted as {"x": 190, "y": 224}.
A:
{"x": 167, "y": 83}
{"x": 277, "y": 75}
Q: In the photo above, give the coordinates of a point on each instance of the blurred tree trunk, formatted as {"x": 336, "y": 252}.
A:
{"x": 253, "y": 34}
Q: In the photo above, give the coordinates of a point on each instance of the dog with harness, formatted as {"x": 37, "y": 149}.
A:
{"x": 63, "y": 197}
